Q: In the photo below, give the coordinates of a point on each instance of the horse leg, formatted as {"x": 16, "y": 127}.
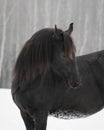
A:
{"x": 40, "y": 119}
{"x": 29, "y": 123}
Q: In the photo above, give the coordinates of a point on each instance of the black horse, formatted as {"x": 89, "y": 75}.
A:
{"x": 49, "y": 80}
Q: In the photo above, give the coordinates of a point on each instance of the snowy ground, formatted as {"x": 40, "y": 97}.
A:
{"x": 10, "y": 118}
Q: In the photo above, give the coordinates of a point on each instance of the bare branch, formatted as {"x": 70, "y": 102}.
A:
{"x": 11, "y": 12}
{"x": 3, "y": 36}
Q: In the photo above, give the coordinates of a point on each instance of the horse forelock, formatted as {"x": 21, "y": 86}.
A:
{"x": 69, "y": 46}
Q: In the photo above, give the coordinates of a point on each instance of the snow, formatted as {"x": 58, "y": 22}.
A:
{"x": 10, "y": 118}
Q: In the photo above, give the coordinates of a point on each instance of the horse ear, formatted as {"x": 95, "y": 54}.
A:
{"x": 70, "y": 29}
{"x": 56, "y": 33}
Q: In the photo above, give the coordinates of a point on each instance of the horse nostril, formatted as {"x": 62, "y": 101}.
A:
{"x": 75, "y": 84}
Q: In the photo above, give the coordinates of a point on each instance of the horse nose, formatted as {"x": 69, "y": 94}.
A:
{"x": 75, "y": 84}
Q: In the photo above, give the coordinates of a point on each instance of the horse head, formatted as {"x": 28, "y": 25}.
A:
{"x": 65, "y": 52}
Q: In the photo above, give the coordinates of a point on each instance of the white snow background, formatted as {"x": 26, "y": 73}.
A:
{"x": 10, "y": 118}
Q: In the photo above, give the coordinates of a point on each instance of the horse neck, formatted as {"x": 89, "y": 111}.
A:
{"x": 97, "y": 68}
{"x": 92, "y": 65}
{"x": 85, "y": 61}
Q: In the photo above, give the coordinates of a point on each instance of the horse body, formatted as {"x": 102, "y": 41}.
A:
{"x": 88, "y": 98}
{"x": 51, "y": 93}
{"x": 62, "y": 101}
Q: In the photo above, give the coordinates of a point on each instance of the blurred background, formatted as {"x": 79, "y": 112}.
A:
{"x": 19, "y": 19}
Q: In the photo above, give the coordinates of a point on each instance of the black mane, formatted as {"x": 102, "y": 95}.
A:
{"x": 37, "y": 54}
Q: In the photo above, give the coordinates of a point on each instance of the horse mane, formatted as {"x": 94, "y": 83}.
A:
{"x": 36, "y": 56}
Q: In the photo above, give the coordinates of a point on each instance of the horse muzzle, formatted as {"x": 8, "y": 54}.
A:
{"x": 75, "y": 84}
